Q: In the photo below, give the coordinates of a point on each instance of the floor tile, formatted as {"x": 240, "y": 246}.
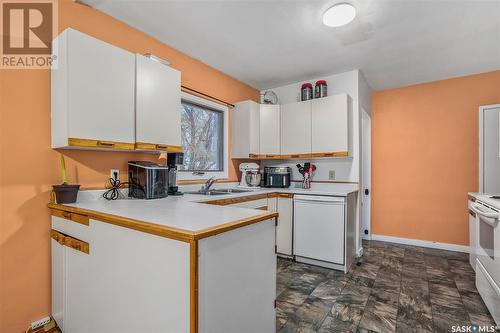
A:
{"x": 396, "y": 288}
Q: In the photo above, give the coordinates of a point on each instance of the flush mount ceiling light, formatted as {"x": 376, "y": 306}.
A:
{"x": 339, "y": 15}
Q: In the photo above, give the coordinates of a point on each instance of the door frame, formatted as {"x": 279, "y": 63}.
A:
{"x": 366, "y": 166}
{"x": 482, "y": 109}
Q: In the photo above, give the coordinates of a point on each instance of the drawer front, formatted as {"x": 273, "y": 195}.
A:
{"x": 71, "y": 228}
{"x": 255, "y": 204}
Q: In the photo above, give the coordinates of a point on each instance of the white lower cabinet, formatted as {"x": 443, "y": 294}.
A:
{"x": 112, "y": 288}
{"x": 283, "y": 204}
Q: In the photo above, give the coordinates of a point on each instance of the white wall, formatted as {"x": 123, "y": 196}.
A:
{"x": 346, "y": 169}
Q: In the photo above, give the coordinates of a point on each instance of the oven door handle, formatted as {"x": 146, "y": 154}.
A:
{"x": 489, "y": 218}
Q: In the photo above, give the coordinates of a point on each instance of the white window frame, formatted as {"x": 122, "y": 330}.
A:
{"x": 190, "y": 175}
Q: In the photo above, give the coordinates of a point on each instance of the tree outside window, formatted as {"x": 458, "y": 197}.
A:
{"x": 202, "y": 137}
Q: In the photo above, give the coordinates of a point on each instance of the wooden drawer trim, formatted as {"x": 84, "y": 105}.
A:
{"x": 91, "y": 143}
{"x": 272, "y": 195}
{"x": 331, "y": 154}
{"x": 471, "y": 198}
{"x": 75, "y": 217}
{"x": 285, "y": 195}
{"x": 69, "y": 241}
{"x": 224, "y": 202}
{"x": 290, "y": 156}
{"x": 157, "y": 147}
{"x": 303, "y": 155}
{"x": 472, "y": 213}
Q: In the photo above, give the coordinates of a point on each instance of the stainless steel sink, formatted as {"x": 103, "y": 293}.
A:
{"x": 218, "y": 191}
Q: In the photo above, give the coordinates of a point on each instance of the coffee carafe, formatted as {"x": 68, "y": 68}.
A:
{"x": 173, "y": 160}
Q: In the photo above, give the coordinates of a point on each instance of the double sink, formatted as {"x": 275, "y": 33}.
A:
{"x": 218, "y": 191}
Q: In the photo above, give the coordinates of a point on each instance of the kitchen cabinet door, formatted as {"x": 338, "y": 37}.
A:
{"x": 158, "y": 105}
{"x": 284, "y": 229}
{"x": 270, "y": 130}
{"x": 245, "y": 130}
{"x": 93, "y": 92}
{"x": 58, "y": 288}
{"x": 296, "y": 128}
{"x": 330, "y": 125}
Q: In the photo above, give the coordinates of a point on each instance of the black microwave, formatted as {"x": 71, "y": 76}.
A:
{"x": 147, "y": 180}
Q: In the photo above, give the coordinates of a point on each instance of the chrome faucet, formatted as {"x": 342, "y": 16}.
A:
{"x": 208, "y": 184}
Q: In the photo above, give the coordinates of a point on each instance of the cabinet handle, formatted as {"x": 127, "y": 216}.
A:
{"x": 159, "y": 147}
{"x": 271, "y": 156}
{"x": 295, "y": 156}
{"x": 105, "y": 144}
{"x": 69, "y": 241}
{"x": 471, "y": 212}
{"x": 66, "y": 215}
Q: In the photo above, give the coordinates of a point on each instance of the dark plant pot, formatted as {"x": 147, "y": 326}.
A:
{"x": 66, "y": 193}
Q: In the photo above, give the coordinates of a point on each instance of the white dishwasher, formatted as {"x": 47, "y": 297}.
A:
{"x": 319, "y": 230}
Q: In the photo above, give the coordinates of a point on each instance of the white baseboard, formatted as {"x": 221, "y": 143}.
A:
{"x": 423, "y": 243}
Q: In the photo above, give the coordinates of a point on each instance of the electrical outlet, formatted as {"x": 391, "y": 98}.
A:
{"x": 114, "y": 174}
{"x": 331, "y": 175}
{"x": 40, "y": 323}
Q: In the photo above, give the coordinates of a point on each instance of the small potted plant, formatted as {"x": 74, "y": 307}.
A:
{"x": 65, "y": 193}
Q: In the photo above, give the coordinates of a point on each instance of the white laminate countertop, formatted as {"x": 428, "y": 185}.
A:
{"x": 187, "y": 212}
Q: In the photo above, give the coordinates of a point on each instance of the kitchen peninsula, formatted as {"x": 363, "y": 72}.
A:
{"x": 169, "y": 265}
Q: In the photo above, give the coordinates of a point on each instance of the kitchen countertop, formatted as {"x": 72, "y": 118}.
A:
{"x": 184, "y": 217}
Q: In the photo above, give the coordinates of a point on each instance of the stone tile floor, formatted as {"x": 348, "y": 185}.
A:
{"x": 396, "y": 288}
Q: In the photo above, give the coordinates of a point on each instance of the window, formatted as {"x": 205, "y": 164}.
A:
{"x": 204, "y": 138}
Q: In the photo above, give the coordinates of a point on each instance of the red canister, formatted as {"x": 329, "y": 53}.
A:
{"x": 306, "y": 93}
{"x": 321, "y": 89}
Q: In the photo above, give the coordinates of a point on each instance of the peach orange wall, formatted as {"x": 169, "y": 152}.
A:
{"x": 28, "y": 166}
{"x": 425, "y": 156}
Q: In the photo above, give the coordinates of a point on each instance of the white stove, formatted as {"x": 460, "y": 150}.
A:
{"x": 487, "y": 251}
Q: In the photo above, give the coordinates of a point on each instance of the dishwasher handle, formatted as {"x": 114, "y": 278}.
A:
{"x": 318, "y": 198}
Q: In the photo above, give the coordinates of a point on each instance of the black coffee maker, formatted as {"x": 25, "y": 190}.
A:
{"x": 173, "y": 160}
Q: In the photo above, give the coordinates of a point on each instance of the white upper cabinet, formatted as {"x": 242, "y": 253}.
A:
{"x": 245, "y": 129}
{"x": 93, "y": 86}
{"x": 296, "y": 128}
{"x": 270, "y": 130}
{"x": 158, "y": 105}
{"x": 330, "y": 128}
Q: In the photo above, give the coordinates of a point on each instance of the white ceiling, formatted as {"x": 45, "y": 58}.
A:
{"x": 269, "y": 43}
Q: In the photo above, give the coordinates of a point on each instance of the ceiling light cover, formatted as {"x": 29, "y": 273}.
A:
{"x": 339, "y": 15}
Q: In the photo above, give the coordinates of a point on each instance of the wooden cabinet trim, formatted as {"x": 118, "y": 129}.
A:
{"x": 225, "y": 202}
{"x": 92, "y": 143}
{"x": 69, "y": 241}
{"x": 303, "y": 155}
{"x": 75, "y": 217}
{"x": 157, "y": 147}
{"x": 193, "y": 286}
{"x": 234, "y": 225}
{"x": 330, "y": 154}
{"x": 285, "y": 195}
